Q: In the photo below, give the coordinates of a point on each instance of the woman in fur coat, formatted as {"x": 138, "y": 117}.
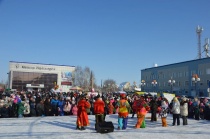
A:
{"x": 176, "y": 111}
{"x": 184, "y": 110}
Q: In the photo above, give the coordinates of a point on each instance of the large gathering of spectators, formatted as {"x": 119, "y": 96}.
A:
{"x": 33, "y": 104}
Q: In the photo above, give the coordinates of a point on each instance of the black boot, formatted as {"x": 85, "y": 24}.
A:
{"x": 78, "y": 128}
{"x": 82, "y": 128}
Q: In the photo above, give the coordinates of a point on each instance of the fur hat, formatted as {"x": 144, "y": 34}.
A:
{"x": 184, "y": 99}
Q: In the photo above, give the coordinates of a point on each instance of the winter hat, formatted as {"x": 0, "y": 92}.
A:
{"x": 184, "y": 98}
{"x": 67, "y": 98}
{"x": 122, "y": 95}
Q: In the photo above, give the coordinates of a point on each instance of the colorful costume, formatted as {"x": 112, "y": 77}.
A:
{"x": 82, "y": 117}
{"x": 141, "y": 109}
{"x": 123, "y": 112}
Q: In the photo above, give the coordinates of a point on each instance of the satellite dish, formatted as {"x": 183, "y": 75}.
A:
{"x": 155, "y": 65}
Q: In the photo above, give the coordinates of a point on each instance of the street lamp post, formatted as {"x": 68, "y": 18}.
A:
{"x": 154, "y": 83}
{"x": 195, "y": 80}
{"x": 171, "y": 82}
{"x": 143, "y": 83}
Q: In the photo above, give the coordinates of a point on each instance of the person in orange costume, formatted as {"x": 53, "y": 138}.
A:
{"x": 141, "y": 110}
{"x": 124, "y": 108}
{"x": 99, "y": 109}
{"x": 82, "y": 117}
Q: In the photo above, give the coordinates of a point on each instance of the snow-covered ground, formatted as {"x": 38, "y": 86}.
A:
{"x": 64, "y": 127}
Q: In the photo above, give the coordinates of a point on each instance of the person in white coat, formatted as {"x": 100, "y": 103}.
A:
{"x": 176, "y": 111}
{"x": 184, "y": 109}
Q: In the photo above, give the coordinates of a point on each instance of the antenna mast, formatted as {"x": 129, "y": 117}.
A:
{"x": 199, "y": 31}
{"x": 206, "y": 47}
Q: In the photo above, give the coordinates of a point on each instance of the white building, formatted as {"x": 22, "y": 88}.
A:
{"x": 36, "y": 76}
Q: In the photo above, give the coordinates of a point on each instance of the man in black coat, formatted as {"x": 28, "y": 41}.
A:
{"x": 153, "y": 108}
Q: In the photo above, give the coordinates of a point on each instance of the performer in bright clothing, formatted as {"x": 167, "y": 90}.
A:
{"x": 82, "y": 117}
{"x": 124, "y": 108}
{"x": 141, "y": 110}
{"x": 99, "y": 109}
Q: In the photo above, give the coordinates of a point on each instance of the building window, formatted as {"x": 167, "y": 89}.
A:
{"x": 20, "y": 79}
{"x": 208, "y": 71}
{"x": 208, "y": 83}
{"x": 186, "y": 83}
{"x": 186, "y": 74}
{"x": 180, "y": 74}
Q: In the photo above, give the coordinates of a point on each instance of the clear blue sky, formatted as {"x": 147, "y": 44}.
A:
{"x": 115, "y": 38}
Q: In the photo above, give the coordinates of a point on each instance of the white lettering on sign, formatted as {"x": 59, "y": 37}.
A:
{"x": 38, "y": 68}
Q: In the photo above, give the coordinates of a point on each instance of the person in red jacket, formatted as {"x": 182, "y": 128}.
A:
{"x": 82, "y": 117}
{"x": 99, "y": 109}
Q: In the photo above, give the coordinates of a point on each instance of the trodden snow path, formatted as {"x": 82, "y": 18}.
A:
{"x": 65, "y": 127}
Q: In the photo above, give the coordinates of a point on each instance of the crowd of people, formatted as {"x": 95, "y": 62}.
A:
{"x": 33, "y": 104}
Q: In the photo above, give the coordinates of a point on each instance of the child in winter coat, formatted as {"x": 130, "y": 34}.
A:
{"x": 163, "y": 113}
{"x": 74, "y": 108}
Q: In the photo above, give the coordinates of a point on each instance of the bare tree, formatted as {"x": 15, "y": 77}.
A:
{"x": 110, "y": 86}
{"x": 84, "y": 78}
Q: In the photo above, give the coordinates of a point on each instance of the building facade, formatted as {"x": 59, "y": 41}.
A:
{"x": 190, "y": 78}
{"x": 42, "y": 77}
